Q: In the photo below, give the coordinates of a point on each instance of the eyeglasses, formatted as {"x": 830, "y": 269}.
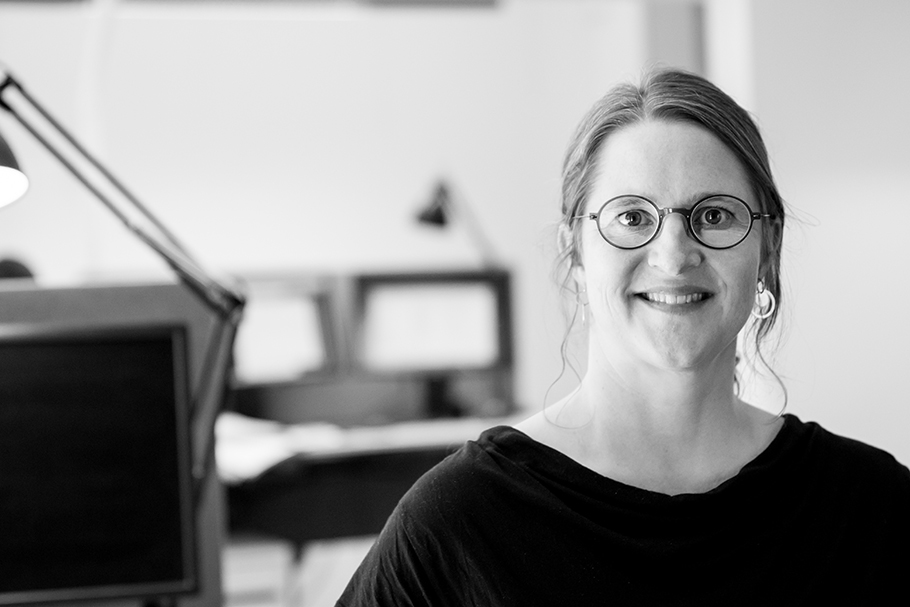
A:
{"x": 717, "y": 221}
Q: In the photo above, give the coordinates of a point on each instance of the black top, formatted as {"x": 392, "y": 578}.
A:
{"x": 815, "y": 519}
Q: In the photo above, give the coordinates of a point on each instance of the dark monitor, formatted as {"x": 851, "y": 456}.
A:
{"x": 435, "y": 326}
{"x": 95, "y": 489}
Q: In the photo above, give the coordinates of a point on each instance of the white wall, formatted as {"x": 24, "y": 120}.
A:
{"x": 304, "y": 136}
{"x": 829, "y": 83}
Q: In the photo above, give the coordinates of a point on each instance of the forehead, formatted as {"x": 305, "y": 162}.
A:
{"x": 671, "y": 163}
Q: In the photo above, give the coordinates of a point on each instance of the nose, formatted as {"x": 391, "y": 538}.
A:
{"x": 673, "y": 250}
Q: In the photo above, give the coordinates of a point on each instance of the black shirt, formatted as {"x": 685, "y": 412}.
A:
{"x": 815, "y": 519}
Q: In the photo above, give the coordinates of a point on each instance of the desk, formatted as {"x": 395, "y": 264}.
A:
{"x": 312, "y": 482}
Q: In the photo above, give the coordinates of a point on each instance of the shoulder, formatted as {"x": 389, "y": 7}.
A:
{"x": 848, "y": 461}
{"x": 565, "y": 436}
{"x": 427, "y": 552}
{"x": 472, "y": 478}
{"x": 847, "y": 498}
{"x": 829, "y": 444}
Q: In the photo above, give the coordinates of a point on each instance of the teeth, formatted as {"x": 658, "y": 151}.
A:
{"x": 673, "y": 300}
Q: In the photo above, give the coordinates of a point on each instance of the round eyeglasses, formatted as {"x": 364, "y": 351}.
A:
{"x": 717, "y": 221}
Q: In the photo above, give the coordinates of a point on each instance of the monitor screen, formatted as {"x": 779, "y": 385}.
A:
{"x": 433, "y": 322}
{"x": 95, "y": 491}
{"x": 285, "y": 334}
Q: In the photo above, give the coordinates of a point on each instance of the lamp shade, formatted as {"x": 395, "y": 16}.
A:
{"x": 437, "y": 212}
{"x": 13, "y": 182}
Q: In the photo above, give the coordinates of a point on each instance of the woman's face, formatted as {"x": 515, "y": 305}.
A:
{"x": 673, "y": 303}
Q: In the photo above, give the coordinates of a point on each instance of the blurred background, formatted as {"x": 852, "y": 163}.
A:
{"x": 289, "y": 138}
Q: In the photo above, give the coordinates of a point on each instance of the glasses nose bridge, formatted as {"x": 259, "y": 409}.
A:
{"x": 678, "y": 210}
{"x": 684, "y": 214}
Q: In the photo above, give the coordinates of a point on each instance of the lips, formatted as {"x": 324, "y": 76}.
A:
{"x": 675, "y": 295}
{"x": 674, "y": 300}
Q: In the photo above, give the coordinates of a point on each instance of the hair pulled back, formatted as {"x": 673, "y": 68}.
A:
{"x": 674, "y": 95}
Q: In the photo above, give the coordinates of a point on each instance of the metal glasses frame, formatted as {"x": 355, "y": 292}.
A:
{"x": 687, "y": 213}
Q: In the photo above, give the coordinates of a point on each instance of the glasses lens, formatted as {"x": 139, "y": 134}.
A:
{"x": 721, "y": 221}
{"x": 628, "y": 221}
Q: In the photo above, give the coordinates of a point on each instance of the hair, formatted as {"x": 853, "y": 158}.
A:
{"x": 676, "y": 96}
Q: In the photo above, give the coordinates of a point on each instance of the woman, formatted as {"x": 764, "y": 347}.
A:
{"x": 653, "y": 483}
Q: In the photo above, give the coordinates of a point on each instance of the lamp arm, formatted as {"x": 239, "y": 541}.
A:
{"x": 224, "y": 301}
{"x": 214, "y": 383}
{"x": 12, "y": 82}
{"x": 487, "y": 251}
{"x": 220, "y": 298}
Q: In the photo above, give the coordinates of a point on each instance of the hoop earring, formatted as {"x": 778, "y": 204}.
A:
{"x": 764, "y": 301}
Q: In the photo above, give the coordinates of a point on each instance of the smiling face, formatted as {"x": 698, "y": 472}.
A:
{"x": 672, "y": 304}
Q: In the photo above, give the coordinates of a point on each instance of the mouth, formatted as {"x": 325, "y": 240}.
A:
{"x": 674, "y": 299}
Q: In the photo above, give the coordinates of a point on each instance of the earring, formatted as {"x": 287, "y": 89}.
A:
{"x": 581, "y": 301}
{"x": 765, "y": 302}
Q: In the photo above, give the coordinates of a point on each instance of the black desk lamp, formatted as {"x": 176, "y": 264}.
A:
{"x": 223, "y": 300}
{"x": 444, "y": 207}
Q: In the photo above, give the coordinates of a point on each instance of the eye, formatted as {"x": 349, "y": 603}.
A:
{"x": 720, "y": 215}
{"x": 713, "y": 216}
{"x": 632, "y": 219}
{"x": 627, "y": 221}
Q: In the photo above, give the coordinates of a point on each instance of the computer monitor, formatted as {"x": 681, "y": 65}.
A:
{"x": 435, "y": 326}
{"x": 285, "y": 333}
{"x": 96, "y": 490}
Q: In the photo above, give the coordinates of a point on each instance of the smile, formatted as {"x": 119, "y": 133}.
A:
{"x": 674, "y": 300}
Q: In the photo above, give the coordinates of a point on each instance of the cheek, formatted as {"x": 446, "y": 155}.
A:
{"x": 742, "y": 288}
{"x": 608, "y": 275}
{"x": 744, "y": 302}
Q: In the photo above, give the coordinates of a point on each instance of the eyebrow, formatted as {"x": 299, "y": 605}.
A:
{"x": 690, "y": 201}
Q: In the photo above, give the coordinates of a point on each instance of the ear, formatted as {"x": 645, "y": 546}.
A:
{"x": 578, "y": 274}
{"x": 765, "y": 265}
{"x": 765, "y": 269}
{"x": 563, "y": 237}
{"x": 566, "y": 242}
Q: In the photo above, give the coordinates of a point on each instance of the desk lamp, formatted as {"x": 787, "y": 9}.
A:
{"x": 443, "y": 208}
{"x": 225, "y": 302}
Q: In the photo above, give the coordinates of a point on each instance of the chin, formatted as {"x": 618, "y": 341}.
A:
{"x": 688, "y": 355}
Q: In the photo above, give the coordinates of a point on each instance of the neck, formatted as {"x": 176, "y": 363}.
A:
{"x": 668, "y": 430}
{"x": 663, "y": 400}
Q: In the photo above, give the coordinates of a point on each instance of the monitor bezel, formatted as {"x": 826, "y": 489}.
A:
{"x": 55, "y": 332}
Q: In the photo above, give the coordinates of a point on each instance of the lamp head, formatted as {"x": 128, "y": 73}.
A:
{"x": 437, "y": 212}
{"x": 13, "y": 182}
